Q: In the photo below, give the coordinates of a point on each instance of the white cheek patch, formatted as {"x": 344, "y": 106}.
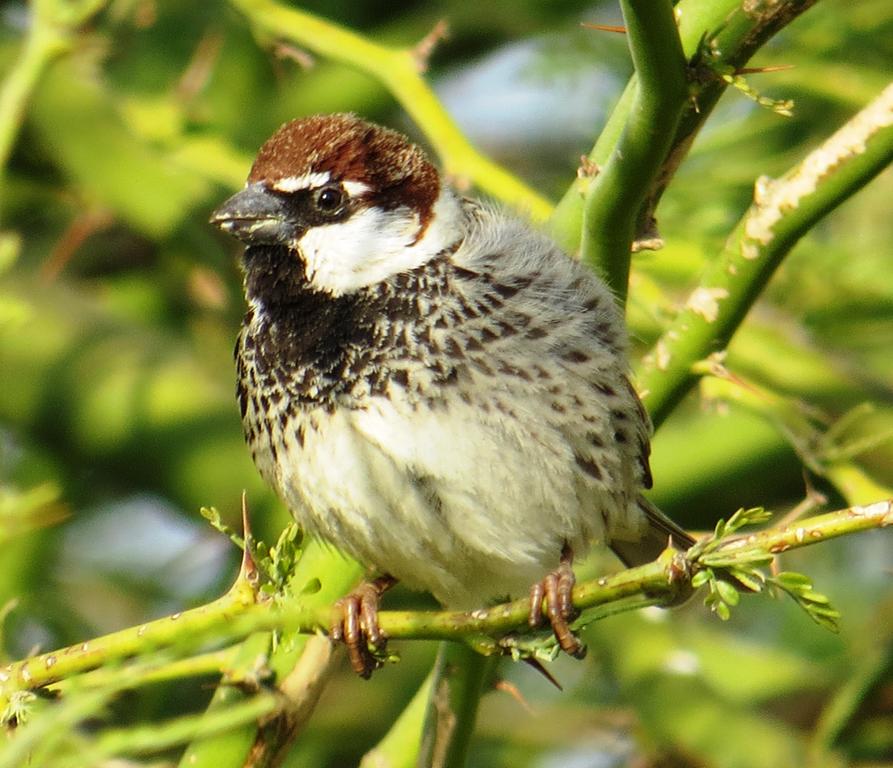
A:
{"x": 359, "y": 251}
{"x": 374, "y": 244}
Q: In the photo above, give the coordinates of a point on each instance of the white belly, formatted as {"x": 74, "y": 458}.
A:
{"x": 465, "y": 505}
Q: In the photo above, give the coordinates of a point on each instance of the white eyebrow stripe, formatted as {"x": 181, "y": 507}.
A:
{"x": 307, "y": 181}
{"x": 317, "y": 179}
{"x": 354, "y": 188}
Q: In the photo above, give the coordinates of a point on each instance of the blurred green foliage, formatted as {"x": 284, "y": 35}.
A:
{"x": 119, "y": 306}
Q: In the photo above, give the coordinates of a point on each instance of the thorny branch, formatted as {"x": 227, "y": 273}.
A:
{"x": 500, "y": 629}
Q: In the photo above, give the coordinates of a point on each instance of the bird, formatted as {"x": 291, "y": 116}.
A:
{"x": 430, "y": 383}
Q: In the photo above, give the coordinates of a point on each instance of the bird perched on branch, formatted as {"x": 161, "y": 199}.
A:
{"x": 430, "y": 384}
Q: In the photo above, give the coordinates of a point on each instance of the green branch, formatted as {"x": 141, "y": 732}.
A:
{"x": 311, "y": 579}
{"x": 782, "y": 212}
{"x": 200, "y": 665}
{"x": 186, "y": 630}
{"x": 613, "y": 200}
{"x": 231, "y": 618}
{"x": 53, "y": 23}
{"x": 300, "y": 692}
{"x": 401, "y": 744}
{"x": 398, "y": 70}
{"x": 459, "y": 678}
{"x": 153, "y": 738}
{"x": 717, "y": 37}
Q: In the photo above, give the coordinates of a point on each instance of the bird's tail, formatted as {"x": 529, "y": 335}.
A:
{"x": 660, "y": 532}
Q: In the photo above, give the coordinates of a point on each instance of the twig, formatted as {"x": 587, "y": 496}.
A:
{"x": 460, "y": 677}
{"x": 229, "y": 618}
{"x": 320, "y": 576}
{"x": 782, "y": 211}
{"x": 199, "y": 623}
{"x": 200, "y": 665}
{"x": 400, "y": 746}
{"x": 714, "y": 35}
{"x": 615, "y": 195}
{"x": 53, "y": 24}
{"x": 155, "y": 737}
{"x": 397, "y": 69}
{"x": 300, "y": 691}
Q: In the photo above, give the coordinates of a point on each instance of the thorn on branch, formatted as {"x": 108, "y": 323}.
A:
{"x": 425, "y": 47}
{"x": 248, "y": 572}
{"x": 292, "y": 53}
{"x": 200, "y": 67}
{"x": 618, "y": 29}
{"x": 588, "y": 168}
{"x": 648, "y": 238}
{"x": 512, "y": 690}
{"x": 760, "y": 70}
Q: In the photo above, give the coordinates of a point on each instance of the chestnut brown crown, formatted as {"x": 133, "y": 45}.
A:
{"x": 395, "y": 171}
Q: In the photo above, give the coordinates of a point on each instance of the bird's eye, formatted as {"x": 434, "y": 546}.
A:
{"x": 328, "y": 199}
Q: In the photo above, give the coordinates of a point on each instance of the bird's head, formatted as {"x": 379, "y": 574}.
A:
{"x": 351, "y": 202}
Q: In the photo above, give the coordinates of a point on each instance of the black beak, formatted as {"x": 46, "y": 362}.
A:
{"x": 256, "y": 216}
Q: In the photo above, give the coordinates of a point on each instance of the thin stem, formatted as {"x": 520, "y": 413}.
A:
{"x": 612, "y": 203}
{"x": 803, "y": 533}
{"x": 321, "y": 576}
{"x": 717, "y": 36}
{"x": 481, "y": 629}
{"x": 460, "y": 676}
{"x": 156, "y": 737}
{"x": 53, "y": 23}
{"x": 186, "y": 629}
{"x": 192, "y": 666}
{"x": 398, "y": 70}
{"x": 300, "y": 691}
{"x": 782, "y": 212}
{"x": 400, "y": 746}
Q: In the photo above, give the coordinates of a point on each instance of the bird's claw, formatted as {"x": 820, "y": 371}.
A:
{"x": 355, "y": 623}
{"x": 556, "y": 589}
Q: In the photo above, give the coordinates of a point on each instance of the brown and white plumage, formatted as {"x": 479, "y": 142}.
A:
{"x": 429, "y": 383}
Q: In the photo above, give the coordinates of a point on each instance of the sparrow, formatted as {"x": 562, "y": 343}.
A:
{"x": 431, "y": 384}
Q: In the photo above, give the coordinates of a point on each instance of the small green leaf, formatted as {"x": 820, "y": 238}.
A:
{"x": 752, "y": 579}
{"x": 311, "y": 587}
{"x": 212, "y": 515}
{"x": 783, "y": 107}
{"x": 745, "y": 517}
{"x": 727, "y": 593}
{"x": 816, "y": 605}
{"x": 814, "y": 597}
{"x": 701, "y": 578}
{"x": 792, "y": 580}
{"x": 829, "y": 622}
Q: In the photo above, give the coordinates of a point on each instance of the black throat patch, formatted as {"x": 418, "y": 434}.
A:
{"x": 312, "y": 348}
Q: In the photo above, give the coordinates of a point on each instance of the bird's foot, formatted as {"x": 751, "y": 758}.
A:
{"x": 355, "y": 623}
{"x": 557, "y": 591}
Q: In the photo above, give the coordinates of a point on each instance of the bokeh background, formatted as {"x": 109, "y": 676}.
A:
{"x": 119, "y": 306}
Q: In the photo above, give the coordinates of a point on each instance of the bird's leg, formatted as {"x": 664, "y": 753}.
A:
{"x": 355, "y": 622}
{"x": 557, "y": 590}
